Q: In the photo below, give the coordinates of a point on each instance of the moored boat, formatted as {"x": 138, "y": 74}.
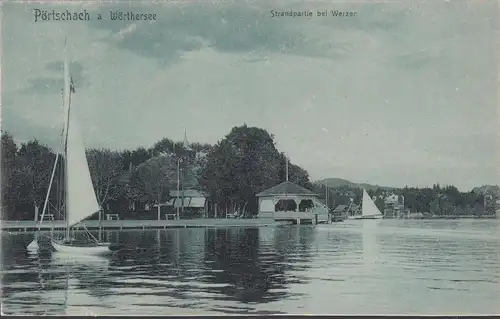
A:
{"x": 81, "y": 248}
{"x": 79, "y": 195}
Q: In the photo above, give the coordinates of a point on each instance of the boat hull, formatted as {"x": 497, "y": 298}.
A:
{"x": 98, "y": 249}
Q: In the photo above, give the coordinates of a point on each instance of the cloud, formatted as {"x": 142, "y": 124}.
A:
{"x": 405, "y": 93}
{"x": 53, "y": 82}
{"x": 416, "y": 60}
{"x": 370, "y": 17}
{"x": 15, "y": 124}
{"x": 225, "y": 27}
{"x": 468, "y": 146}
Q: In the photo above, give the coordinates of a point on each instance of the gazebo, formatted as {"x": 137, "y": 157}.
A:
{"x": 290, "y": 202}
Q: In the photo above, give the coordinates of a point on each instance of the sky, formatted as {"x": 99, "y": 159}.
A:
{"x": 403, "y": 93}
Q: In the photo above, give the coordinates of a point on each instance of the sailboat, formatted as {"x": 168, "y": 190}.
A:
{"x": 369, "y": 210}
{"x": 80, "y": 200}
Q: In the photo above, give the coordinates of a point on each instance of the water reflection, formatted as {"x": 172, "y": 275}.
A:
{"x": 44, "y": 282}
{"x": 85, "y": 292}
{"x": 352, "y": 267}
{"x": 371, "y": 249}
{"x": 234, "y": 264}
{"x": 212, "y": 269}
{"x": 184, "y": 270}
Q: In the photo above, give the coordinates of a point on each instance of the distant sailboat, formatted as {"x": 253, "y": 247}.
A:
{"x": 369, "y": 210}
{"x": 79, "y": 196}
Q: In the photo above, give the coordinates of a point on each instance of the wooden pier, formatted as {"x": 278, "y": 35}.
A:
{"x": 27, "y": 225}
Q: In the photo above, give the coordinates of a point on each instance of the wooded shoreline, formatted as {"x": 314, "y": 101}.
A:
{"x": 230, "y": 174}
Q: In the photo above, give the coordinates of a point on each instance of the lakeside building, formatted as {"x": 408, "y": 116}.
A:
{"x": 489, "y": 201}
{"x": 290, "y": 202}
{"x": 342, "y": 210}
{"x": 190, "y": 203}
{"x": 394, "y": 206}
{"x": 347, "y": 211}
{"x": 193, "y": 201}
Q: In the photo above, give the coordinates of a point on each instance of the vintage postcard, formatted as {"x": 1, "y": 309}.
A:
{"x": 250, "y": 157}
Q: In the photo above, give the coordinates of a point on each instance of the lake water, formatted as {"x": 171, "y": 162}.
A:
{"x": 356, "y": 267}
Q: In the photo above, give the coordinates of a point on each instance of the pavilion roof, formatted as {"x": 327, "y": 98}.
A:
{"x": 286, "y": 188}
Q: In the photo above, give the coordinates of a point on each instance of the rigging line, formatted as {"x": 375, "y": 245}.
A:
{"x": 66, "y": 162}
{"x": 51, "y": 177}
{"x": 50, "y": 186}
{"x": 88, "y": 232}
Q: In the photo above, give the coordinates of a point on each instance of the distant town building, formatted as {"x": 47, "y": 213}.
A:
{"x": 489, "y": 201}
{"x": 394, "y": 206}
{"x": 346, "y": 193}
{"x": 490, "y": 204}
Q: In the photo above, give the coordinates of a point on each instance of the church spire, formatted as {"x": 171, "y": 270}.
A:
{"x": 185, "y": 143}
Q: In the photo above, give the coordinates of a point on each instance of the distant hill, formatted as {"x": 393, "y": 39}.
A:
{"x": 487, "y": 189}
{"x": 338, "y": 182}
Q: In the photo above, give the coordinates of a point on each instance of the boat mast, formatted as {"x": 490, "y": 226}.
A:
{"x": 66, "y": 170}
{"x": 326, "y": 201}
{"x": 60, "y": 177}
{"x": 326, "y": 194}
{"x": 67, "y": 90}
{"x": 61, "y": 207}
{"x": 286, "y": 168}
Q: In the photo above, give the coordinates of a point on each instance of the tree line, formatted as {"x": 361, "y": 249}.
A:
{"x": 430, "y": 201}
{"x": 230, "y": 172}
{"x": 242, "y": 164}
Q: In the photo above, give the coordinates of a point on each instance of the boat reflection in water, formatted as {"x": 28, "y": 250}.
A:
{"x": 356, "y": 267}
{"x": 175, "y": 271}
{"x": 86, "y": 289}
{"x": 47, "y": 283}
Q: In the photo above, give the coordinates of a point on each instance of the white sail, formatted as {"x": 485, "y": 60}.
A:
{"x": 80, "y": 197}
{"x": 369, "y": 208}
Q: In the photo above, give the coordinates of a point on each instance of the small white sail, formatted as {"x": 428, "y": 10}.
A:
{"x": 81, "y": 200}
{"x": 369, "y": 208}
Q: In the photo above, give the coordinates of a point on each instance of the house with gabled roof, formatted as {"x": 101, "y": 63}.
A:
{"x": 189, "y": 202}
